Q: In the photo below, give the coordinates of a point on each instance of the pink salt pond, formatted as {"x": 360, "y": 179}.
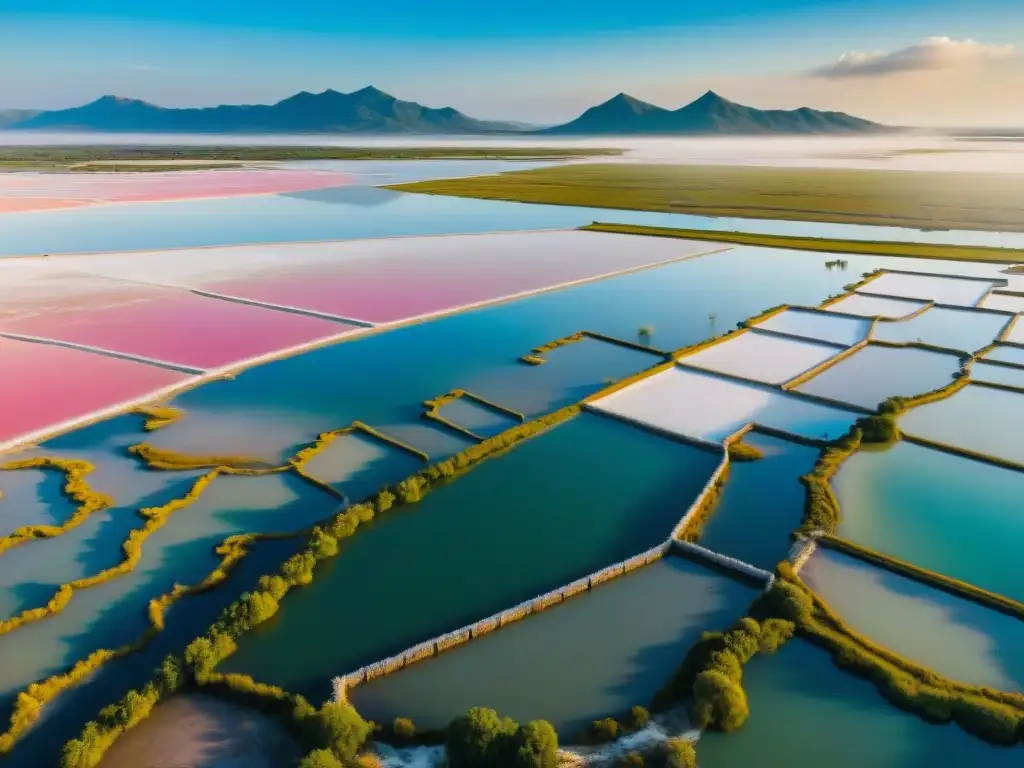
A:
{"x": 44, "y": 385}
{"x": 162, "y": 324}
{"x": 24, "y": 192}
{"x": 388, "y": 280}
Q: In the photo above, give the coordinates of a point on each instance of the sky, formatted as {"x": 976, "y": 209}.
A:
{"x": 906, "y": 62}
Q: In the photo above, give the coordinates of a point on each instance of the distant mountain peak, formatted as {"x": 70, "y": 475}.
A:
{"x": 711, "y": 114}
{"x": 368, "y": 110}
{"x": 371, "y": 91}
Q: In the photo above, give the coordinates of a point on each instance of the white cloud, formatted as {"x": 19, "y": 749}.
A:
{"x": 930, "y": 54}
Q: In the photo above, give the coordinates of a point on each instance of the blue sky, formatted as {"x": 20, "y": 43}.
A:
{"x": 541, "y": 60}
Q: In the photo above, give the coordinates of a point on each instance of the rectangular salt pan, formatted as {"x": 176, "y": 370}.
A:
{"x": 981, "y": 419}
{"x": 392, "y": 279}
{"x": 1006, "y": 354}
{"x": 875, "y": 306}
{"x": 45, "y": 385}
{"x": 818, "y": 325}
{"x": 875, "y": 373}
{"x": 997, "y": 374}
{"x": 167, "y": 325}
{"x": 706, "y": 407}
{"x": 762, "y": 357}
{"x": 961, "y": 329}
{"x": 1004, "y": 301}
{"x": 942, "y": 290}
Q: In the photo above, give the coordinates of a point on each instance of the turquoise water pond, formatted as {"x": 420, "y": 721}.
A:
{"x": 806, "y": 713}
{"x": 875, "y": 373}
{"x": 598, "y": 490}
{"x": 960, "y": 329}
{"x": 981, "y": 419}
{"x": 593, "y": 656}
{"x": 959, "y": 517}
{"x": 477, "y": 417}
{"x": 356, "y": 211}
{"x": 762, "y": 503}
{"x": 958, "y": 638}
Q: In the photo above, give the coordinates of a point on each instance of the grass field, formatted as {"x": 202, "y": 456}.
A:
{"x": 87, "y": 158}
{"x": 828, "y": 245}
{"x": 923, "y": 200}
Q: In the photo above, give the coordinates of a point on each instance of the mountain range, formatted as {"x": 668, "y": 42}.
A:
{"x": 710, "y": 114}
{"x": 370, "y": 110}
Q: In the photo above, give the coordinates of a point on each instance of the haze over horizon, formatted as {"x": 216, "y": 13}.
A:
{"x": 916, "y": 62}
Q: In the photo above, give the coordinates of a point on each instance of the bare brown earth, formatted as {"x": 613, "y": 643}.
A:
{"x": 197, "y": 731}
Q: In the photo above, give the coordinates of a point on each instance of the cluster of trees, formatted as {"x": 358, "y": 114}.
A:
{"x": 711, "y": 674}
{"x": 991, "y": 715}
{"x": 674, "y": 753}
{"x": 611, "y": 728}
{"x": 482, "y": 739}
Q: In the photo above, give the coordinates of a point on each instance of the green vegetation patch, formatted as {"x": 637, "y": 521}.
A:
{"x": 824, "y": 244}
{"x": 923, "y": 201}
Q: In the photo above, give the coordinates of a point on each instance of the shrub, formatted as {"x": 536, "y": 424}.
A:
{"x": 482, "y": 739}
{"x": 680, "y": 754}
{"x": 604, "y": 730}
{"x": 321, "y": 758}
{"x": 718, "y": 702}
{"x": 478, "y": 739}
{"x": 638, "y": 717}
{"x": 881, "y": 428}
{"x": 403, "y": 728}
{"x": 536, "y": 746}
{"x": 341, "y": 727}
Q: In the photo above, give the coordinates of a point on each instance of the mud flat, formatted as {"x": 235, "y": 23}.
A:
{"x": 201, "y": 731}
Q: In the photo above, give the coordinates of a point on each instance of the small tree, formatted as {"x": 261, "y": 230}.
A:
{"x": 681, "y": 754}
{"x": 342, "y": 728}
{"x": 604, "y": 730}
{"x": 478, "y": 738}
{"x": 320, "y": 758}
{"x": 536, "y": 745}
{"x": 403, "y": 728}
